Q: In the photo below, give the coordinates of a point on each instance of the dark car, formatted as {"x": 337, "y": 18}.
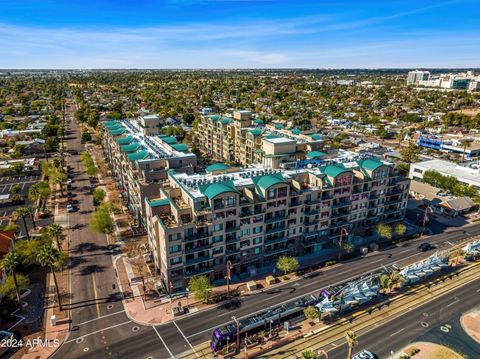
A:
{"x": 425, "y": 246}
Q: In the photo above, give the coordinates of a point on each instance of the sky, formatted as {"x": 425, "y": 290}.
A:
{"x": 90, "y": 34}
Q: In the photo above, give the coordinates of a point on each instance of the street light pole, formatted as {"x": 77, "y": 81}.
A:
{"x": 425, "y": 217}
{"x": 238, "y": 332}
{"x": 228, "y": 277}
{"x": 188, "y": 293}
{"x": 340, "y": 243}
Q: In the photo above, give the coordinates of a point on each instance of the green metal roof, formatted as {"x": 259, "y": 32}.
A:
{"x": 180, "y": 147}
{"x": 256, "y": 132}
{"x": 159, "y": 202}
{"x": 132, "y": 147}
{"x": 258, "y": 121}
{"x": 169, "y": 140}
{"x": 118, "y": 132}
{"x": 225, "y": 120}
{"x": 213, "y": 190}
{"x": 214, "y": 117}
{"x": 217, "y": 167}
{"x": 268, "y": 181}
{"x": 334, "y": 170}
{"x": 272, "y": 135}
{"x": 315, "y": 154}
{"x": 140, "y": 155}
{"x": 124, "y": 140}
{"x": 279, "y": 126}
{"x": 316, "y": 137}
{"x": 370, "y": 164}
{"x": 296, "y": 131}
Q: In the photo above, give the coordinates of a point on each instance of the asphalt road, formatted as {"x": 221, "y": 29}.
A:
{"x": 101, "y": 329}
{"x": 424, "y": 323}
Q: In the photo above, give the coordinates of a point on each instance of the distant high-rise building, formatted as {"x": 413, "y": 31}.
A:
{"x": 415, "y": 76}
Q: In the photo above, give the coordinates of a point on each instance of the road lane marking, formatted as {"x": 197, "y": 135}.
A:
{"x": 96, "y": 295}
{"x": 168, "y": 350}
{"x": 184, "y": 337}
{"x": 397, "y": 332}
{"x": 273, "y": 296}
{"x": 99, "y": 331}
{"x": 454, "y": 302}
{"x": 100, "y": 317}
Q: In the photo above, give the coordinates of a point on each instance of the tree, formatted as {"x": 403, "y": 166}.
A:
{"x": 385, "y": 281}
{"x": 352, "y": 340}
{"x": 348, "y": 247}
{"x": 403, "y": 169}
{"x": 287, "y": 264}
{"x": 50, "y": 257}
{"x": 86, "y": 137}
{"x": 311, "y": 313}
{"x": 56, "y": 231}
{"x": 17, "y": 167}
{"x": 465, "y": 144}
{"x": 99, "y": 195}
{"x": 102, "y": 221}
{"x": 59, "y": 178}
{"x": 9, "y": 263}
{"x": 201, "y": 287}
{"x": 15, "y": 191}
{"x": 13, "y": 285}
{"x": 400, "y": 229}
{"x": 22, "y": 213}
{"x": 384, "y": 231}
{"x": 395, "y": 278}
{"x": 309, "y": 354}
{"x": 189, "y": 118}
{"x": 410, "y": 153}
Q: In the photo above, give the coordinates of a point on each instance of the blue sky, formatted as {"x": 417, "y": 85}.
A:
{"x": 239, "y": 33}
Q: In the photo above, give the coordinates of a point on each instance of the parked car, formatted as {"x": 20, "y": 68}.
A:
{"x": 364, "y": 354}
{"x": 70, "y": 208}
{"x": 425, "y": 246}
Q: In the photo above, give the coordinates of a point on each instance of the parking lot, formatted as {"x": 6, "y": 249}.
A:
{"x": 6, "y": 183}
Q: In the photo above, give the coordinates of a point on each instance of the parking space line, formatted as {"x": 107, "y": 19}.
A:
{"x": 184, "y": 337}
{"x": 168, "y": 350}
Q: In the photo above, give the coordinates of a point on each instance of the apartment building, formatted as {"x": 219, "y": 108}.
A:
{"x": 140, "y": 162}
{"x": 244, "y": 140}
{"x": 251, "y": 216}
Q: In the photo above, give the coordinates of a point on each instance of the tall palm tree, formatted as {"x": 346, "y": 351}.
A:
{"x": 15, "y": 192}
{"x": 49, "y": 257}
{"x": 9, "y": 263}
{"x": 31, "y": 212}
{"x": 59, "y": 178}
{"x": 56, "y": 231}
{"x": 34, "y": 192}
{"x": 465, "y": 144}
{"x": 352, "y": 340}
{"x": 22, "y": 213}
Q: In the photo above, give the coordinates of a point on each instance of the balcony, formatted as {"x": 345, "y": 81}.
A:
{"x": 274, "y": 251}
{"x": 245, "y": 214}
{"x": 198, "y": 272}
{"x": 197, "y": 248}
{"x": 197, "y": 260}
{"x": 275, "y": 230}
{"x": 275, "y": 240}
{"x": 196, "y": 236}
{"x": 275, "y": 219}
{"x": 341, "y": 204}
{"x": 339, "y": 214}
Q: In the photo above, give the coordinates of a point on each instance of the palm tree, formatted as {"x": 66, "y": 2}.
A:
{"x": 31, "y": 212}
{"x": 395, "y": 278}
{"x": 23, "y": 212}
{"x": 352, "y": 340}
{"x": 49, "y": 257}
{"x": 9, "y": 263}
{"x": 465, "y": 144}
{"x": 56, "y": 231}
{"x": 34, "y": 192}
{"x": 15, "y": 192}
{"x": 59, "y": 178}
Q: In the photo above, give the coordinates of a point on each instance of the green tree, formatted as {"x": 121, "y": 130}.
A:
{"x": 23, "y": 213}
{"x": 15, "y": 191}
{"x": 99, "y": 195}
{"x": 50, "y": 257}
{"x": 9, "y": 263}
{"x": 465, "y": 144}
{"x": 403, "y": 169}
{"x": 60, "y": 179}
{"x": 395, "y": 279}
{"x": 17, "y": 167}
{"x": 400, "y": 229}
{"x": 385, "y": 281}
{"x": 410, "y": 153}
{"x": 287, "y": 264}
{"x": 201, "y": 287}
{"x": 311, "y": 313}
{"x": 56, "y": 231}
{"x": 13, "y": 285}
{"x": 189, "y": 118}
{"x": 384, "y": 231}
{"x": 102, "y": 221}
{"x": 352, "y": 340}
{"x": 309, "y": 354}
{"x": 86, "y": 136}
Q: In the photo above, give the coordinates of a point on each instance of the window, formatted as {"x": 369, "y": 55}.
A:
{"x": 244, "y": 244}
{"x": 175, "y": 249}
{"x": 230, "y": 202}
{"x": 176, "y": 260}
{"x": 257, "y": 240}
{"x": 417, "y": 170}
{"x": 217, "y": 250}
{"x": 257, "y": 230}
{"x": 217, "y": 227}
{"x": 217, "y": 239}
{"x": 282, "y": 192}
{"x": 271, "y": 193}
{"x": 257, "y": 250}
{"x": 245, "y": 232}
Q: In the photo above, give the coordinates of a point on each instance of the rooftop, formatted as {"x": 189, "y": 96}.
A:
{"x": 462, "y": 173}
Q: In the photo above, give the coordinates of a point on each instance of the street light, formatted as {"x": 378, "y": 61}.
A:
{"x": 188, "y": 293}
{"x": 425, "y": 217}
{"x": 228, "y": 277}
{"x": 238, "y": 332}
{"x": 340, "y": 242}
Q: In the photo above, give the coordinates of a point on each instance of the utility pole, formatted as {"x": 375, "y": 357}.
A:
{"x": 425, "y": 217}
{"x": 228, "y": 277}
{"x": 238, "y": 332}
{"x": 340, "y": 243}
